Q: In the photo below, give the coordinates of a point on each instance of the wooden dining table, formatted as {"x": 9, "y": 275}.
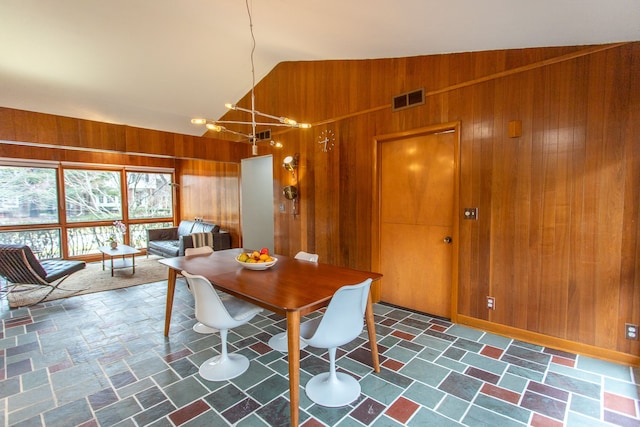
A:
{"x": 292, "y": 288}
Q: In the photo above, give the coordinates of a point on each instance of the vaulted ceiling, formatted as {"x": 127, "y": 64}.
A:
{"x": 157, "y": 63}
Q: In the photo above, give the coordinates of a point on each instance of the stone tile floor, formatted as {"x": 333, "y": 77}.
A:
{"x": 102, "y": 360}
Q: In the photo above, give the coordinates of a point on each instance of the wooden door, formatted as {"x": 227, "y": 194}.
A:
{"x": 416, "y": 221}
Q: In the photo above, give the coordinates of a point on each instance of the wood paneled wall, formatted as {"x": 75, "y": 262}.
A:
{"x": 213, "y": 197}
{"x": 557, "y": 242}
{"x": 90, "y": 136}
{"x": 211, "y": 191}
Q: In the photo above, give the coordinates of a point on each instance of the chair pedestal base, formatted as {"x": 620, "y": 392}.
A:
{"x": 204, "y": 329}
{"x": 219, "y": 369}
{"x": 279, "y": 342}
{"x": 340, "y": 391}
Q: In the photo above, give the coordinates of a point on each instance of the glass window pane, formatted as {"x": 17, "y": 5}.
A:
{"x": 44, "y": 243}
{"x": 150, "y": 195}
{"x": 28, "y": 195}
{"x": 138, "y": 233}
{"x": 87, "y": 240}
{"x": 92, "y": 195}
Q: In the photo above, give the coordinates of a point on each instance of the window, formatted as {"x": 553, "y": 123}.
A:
{"x": 92, "y": 195}
{"x": 150, "y": 195}
{"x": 44, "y": 242}
{"x": 93, "y": 198}
{"x": 28, "y": 195}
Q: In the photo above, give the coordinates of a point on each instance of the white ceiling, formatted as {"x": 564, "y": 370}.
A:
{"x": 157, "y": 63}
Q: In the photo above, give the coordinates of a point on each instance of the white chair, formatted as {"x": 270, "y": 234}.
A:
{"x": 221, "y": 312}
{"x": 341, "y": 323}
{"x": 202, "y": 250}
{"x": 279, "y": 341}
{"x": 306, "y": 256}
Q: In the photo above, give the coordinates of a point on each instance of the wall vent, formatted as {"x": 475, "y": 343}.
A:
{"x": 409, "y": 99}
{"x": 265, "y": 134}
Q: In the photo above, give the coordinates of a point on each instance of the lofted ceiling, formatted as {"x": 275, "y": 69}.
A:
{"x": 155, "y": 64}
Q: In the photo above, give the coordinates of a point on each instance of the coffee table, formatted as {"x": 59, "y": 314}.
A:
{"x": 123, "y": 251}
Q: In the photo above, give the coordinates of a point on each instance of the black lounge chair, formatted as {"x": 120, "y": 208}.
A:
{"x": 19, "y": 266}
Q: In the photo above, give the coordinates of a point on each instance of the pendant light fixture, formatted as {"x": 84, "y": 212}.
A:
{"x": 219, "y": 125}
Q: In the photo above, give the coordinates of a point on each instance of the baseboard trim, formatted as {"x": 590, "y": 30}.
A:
{"x": 548, "y": 341}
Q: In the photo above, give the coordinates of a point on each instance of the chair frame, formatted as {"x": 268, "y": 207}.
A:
{"x": 200, "y": 327}
{"x": 279, "y": 342}
{"x": 215, "y": 312}
{"x": 19, "y": 266}
{"x": 341, "y": 323}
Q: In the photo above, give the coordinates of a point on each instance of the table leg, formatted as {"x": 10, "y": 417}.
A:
{"x": 171, "y": 287}
{"x": 293, "y": 331}
{"x": 111, "y": 266}
{"x": 102, "y": 261}
{"x": 371, "y": 328}
{"x": 133, "y": 261}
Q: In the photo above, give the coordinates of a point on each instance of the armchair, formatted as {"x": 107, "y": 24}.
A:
{"x": 20, "y": 267}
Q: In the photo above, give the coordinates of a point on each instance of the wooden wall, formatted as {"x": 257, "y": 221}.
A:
{"x": 558, "y": 239}
{"x": 214, "y": 197}
{"x": 211, "y": 191}
{"x": 558, "y": 236}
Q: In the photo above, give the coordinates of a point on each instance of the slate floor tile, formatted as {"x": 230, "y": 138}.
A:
{"x": 107, "y": 365}
{"x": 460, "y": 386}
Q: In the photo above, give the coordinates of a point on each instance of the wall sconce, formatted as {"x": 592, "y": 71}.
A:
{"x": 291, "y": 164}
{"x": 290, "y": 192}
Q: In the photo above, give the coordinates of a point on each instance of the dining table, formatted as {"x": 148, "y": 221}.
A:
{"x": 291, "y": 287}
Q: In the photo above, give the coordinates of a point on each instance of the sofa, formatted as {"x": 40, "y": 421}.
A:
{"x": 172, "y": 241}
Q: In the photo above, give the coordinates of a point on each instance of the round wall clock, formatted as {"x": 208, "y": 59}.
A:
{"x": 326, "y": 140}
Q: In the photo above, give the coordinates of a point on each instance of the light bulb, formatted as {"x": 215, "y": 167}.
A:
{"x": 230, "y": 106}
{"x": 214, "y": 127}
{"x": 198, "y": 121}
{"x": 304, "y": 125}
{"x": 289, "y": 122}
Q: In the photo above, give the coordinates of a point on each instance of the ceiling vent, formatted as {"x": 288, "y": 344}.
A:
{"x": 265, "y": 134}
{"x": 409, "y": 99}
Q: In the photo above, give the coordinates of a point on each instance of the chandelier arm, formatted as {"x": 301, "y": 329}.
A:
{"x": 244, "y": 135}
{"x": 234, "y": 122}
{"x": 215, "y": 125}
{"x": 256, "y": 112}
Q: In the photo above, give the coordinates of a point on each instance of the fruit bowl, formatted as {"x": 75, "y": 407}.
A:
{"x": 257, "y": 265}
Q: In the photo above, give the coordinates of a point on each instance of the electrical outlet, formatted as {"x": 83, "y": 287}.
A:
{"x": 491, "y": 303}
{"x": 630, "y": 331}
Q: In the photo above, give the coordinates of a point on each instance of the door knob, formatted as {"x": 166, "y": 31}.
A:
{"x": 448, "y": 239}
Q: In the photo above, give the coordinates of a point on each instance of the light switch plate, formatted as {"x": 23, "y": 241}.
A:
{"x": 471, "y": 213}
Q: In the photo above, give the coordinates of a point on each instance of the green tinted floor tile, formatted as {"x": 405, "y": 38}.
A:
{"x": 104, "y": 356}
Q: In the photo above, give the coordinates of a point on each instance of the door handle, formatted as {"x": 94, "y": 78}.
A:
{"x": 448, "y": 239}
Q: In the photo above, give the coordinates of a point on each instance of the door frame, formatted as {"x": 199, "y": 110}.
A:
{"x": 376, "y": 205}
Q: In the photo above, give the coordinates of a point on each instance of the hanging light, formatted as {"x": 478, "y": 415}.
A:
{"x": 217, "y": 125}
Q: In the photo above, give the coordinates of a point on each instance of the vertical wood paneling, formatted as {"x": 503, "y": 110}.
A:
{"x": 211, "y": 190}
{"x": 558, "y": 235}
{"x": 579, "y": 323}
{"x": 548, "y": 200}
{"x": 630, "y": 261}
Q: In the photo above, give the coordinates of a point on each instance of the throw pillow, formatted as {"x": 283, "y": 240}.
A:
{"x": 202, "y": 239}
